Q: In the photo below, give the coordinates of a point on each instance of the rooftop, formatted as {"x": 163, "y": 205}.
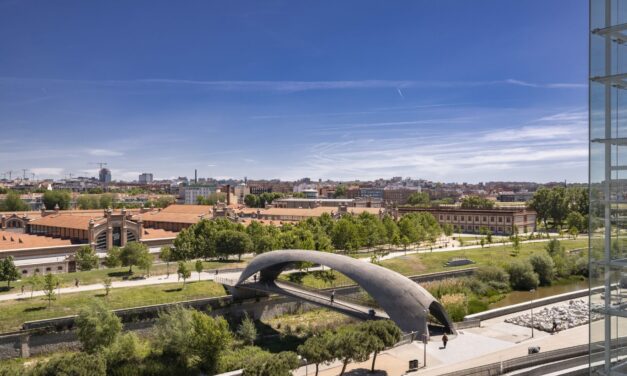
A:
{"x": 12, "y": 240}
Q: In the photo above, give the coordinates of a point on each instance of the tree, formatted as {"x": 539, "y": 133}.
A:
{"x": 184, "y": 244}
{"x": 544, "y": 267}
{"x": 183, "y": 271}
{"x": 515, "y": 242}
{"x": 106, "y": 283}
{"x": 448, "y": 229}
{"x": 521, "y": 276}
{"x": 34, "y": 282}
{"x": 166, "y": 255}
{"x": 8, "y": 271}
{"x": 98, "y": 327}
{"x": 573, "y": 232}
{"x": 352, "y": 345}
{"x": 50, "y": 284}
{"x": 419, "y": 199}
{"x": 86, "y": 258}
{"x": 559, "y": 207}
{"x": 266, "y": 364}
{"x": 541, "y": 204}
{"x": 247, "y": 330}
{"x": 577, "y": 221}
{"x": 135, "y": 253}
{"x": 72, "y": 364}
{"x": 386, "y": 334}
{"x": 316, "y": 349}
{"x": 12, "y": 202}
{"x": 59, "y": 198}
{"x": 112, "y": 259}
{"x": 476, "y": 202}
{"x": 210, "y": 337}
{"x": 127, "y": 349}
{"x": 252, "y": 201}
{"x": 172, "y": 332}
{"x": 198, "y": 266}
{"x": 345, "y": 235}
{"x": 232, "y": 242}
{"x": 340, "y": 191}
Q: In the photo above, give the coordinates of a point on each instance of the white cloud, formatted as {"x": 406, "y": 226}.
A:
{"x": 104, "y": 153}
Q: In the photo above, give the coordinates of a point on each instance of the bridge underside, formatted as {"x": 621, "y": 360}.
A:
{"x": 401, "y": 299}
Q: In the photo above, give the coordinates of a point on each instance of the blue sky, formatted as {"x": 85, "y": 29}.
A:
{"x": 447, "y": 90}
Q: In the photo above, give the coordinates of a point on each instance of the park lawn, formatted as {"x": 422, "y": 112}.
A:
{"x": 118, "y": 274}
{"x": 13, "y": 313}
{"x": 431, "y": 262}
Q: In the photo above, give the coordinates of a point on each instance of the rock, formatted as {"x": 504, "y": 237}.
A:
{"x": 567, "y": 316}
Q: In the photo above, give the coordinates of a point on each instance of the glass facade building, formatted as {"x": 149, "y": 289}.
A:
{"x": 608, "y": 185}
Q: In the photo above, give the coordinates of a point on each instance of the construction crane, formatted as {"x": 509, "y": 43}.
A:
{"x": 24, "y": 173}
{"x": 99, "y": 164}
{"x": 10, "y": 173}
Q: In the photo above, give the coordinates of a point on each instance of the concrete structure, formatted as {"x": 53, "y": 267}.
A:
{"x": 405, "y": 302}
{"x": 508, "y": 196}
{"x": 193, "y": 192}
{"x": 499, "y": 220}
{"x": 145, "y": 178}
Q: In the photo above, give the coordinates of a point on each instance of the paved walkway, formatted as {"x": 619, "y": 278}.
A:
{"x": 204, "y": 276}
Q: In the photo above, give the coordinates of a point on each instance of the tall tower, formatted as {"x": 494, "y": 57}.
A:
{"x": 608, "y": 181}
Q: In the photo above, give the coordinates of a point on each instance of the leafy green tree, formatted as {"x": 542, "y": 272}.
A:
{"x": 58, "y": 197}
{"x": 165, "y": 254}
{"x": 97, "y": 327}
{"x": 340, "y": 191}
{"x": 521, "y": 275}
{"x": 198, "y": 266}
{"x": 247, "y": 331}
{"x": 72, "y": 364}
{"x": 252, "y": 201}
{"x": 113, "y": 259}
{"x": 34, "y": 282}
{"x": 448, "y": 229}
{"x": 541, "y": 204}
{"x": 577, "y": 221}
{"x": 267, "y": 364}
{"x": 232, "y": 242}
{"x": 419, "y": 199}
{"x": 544, "y": 267}
{"x": 345, "y": 235}
{"x": 13, "y": 202}
{"x": 559, "y": 205}
{"x": 317, "y": 349}
{"x": 107, "y": 200}
{"x": 210, "y": 337}
{"x": 127, "y": 349}
{"x": 135, "y": 254}
{"x": 172, "y": 332}
{"x": 476, "y": 202}
{"x": 86, "y": 258}
{"x": 50, "y": 284}
{"x": 385, "y": 333}
{"x": 106, "y": 283}
{"x": 352, "y": 345}
{"x": 8, "y": 271}
{"x": 183, "y": 271}
{"x": 184, "y": 245}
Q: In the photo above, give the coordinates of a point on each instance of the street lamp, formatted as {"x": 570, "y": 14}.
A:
{"x": 425, "y": 339}
{"x": 532, "y": 291}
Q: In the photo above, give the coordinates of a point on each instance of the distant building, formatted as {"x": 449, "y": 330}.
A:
{"x": 398, "y": 196}
{"x": 522, "y": 196}
{"x": 145, "y": 178}
{"x": 104, "y": 176}
{"x": 310, "y": 193}
{"x": 371, "y": 192}
{"x": 500, "y": 221}
{"x": 241, "y": 191}
{"x": 193, "y": 192}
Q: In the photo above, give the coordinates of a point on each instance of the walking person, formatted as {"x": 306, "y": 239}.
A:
{"x": 332, "y": 296}
{"x": 555, "y": 327}
{"x": 22, "y": 289}
{"x": 444, "y": 339}
{"x": 76, "y": 282}
{"x": 255, "y": 278}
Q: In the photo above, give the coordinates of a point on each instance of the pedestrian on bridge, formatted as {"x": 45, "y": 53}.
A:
{"x": 444, "y": 339}
{"x": 332, "y": 296}
{"x": 255, "y": 277}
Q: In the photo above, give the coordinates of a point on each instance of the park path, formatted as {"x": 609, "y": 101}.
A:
{"x": 210, "y": 276}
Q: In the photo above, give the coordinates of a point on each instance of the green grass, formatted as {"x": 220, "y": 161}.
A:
{"x": 13, "y": 313}
{"x": 118, "y": 274}
{"x": 431, "y": 262}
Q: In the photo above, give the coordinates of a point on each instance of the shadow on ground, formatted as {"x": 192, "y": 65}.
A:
{"x": 364, "y": 372}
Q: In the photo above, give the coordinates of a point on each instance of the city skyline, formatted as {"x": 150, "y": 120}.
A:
{"x": 264, "y": 95}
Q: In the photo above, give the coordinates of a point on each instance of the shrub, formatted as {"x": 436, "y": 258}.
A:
{"x": 581, "y": 266}
{"x": 521, "y": 276}
{"x": 128, "y": 349}
{"x": 9, "y": 368}
{"x": 446, "y": 287}
{"x": 476, "y": 306}
{"x": 455, "y": 305}
{"x": 544, "y": 267}
{"x": 78, "y": 364}
{"x": 477, "y": 287}
{"x": 247, "y": 331}
{"x": 491, "y": 273}
{"x": 97, "y": 327}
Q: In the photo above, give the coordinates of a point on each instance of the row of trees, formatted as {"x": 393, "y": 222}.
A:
{"x": 559, "y": 206}
{"x": 223, "y": 238}
{"x": 260, "y": 201}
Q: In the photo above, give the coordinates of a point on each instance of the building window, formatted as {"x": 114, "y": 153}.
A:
{"x": 500, "y": 219}
{"x": 37, "y": 270}
{"x": 485, "y": 218}
{"x": 24, "y": 271}
{"x": 48, "y": 269}
{"x": 461, "y": 218}
{"x": 508, "y": 219}
{"x": 454, "y": 217}
{"x": 59, "y": 268}
{"x": 448, "y": 217}
{"x": 441, "y": 217}
{"x": 476, "y": 219}
{"x": 491, "y": 219}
